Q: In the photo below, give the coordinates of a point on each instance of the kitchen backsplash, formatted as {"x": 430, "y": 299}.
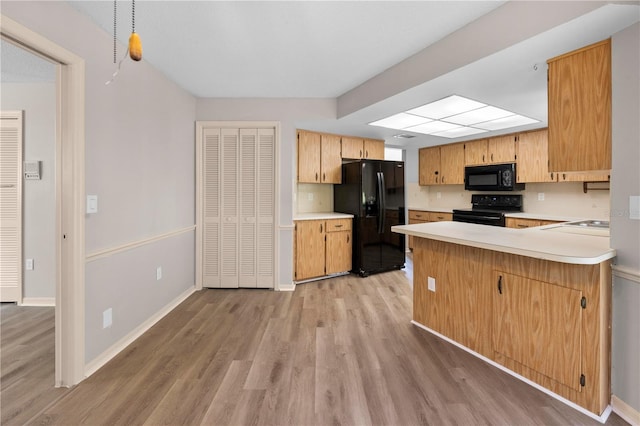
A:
{"x": 566, "y": 199}
{"x": 314, "y": 198}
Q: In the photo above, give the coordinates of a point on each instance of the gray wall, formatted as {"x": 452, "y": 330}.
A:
{"x": 625, "y": 232}
{"x": 139, "y": 138}
{"x": 38, "y": 101}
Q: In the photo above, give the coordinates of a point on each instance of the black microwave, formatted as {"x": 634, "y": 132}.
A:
{"x": 495, "y": 177}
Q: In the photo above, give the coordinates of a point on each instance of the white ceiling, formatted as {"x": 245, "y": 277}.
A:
{"x": 324, "y": 49}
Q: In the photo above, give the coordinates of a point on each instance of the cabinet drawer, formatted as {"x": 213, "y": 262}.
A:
{"x": 418, "y": 215}
{"x": 335, "y": 225}
{"x": 439, "y": 217}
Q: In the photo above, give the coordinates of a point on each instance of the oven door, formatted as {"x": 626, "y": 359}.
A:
{"x": 480, "y": 218}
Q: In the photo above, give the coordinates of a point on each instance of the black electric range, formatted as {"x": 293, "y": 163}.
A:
{"x": 489, "y": 209}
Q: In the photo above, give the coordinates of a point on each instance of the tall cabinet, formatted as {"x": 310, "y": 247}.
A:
{"x": 238, "y": 207}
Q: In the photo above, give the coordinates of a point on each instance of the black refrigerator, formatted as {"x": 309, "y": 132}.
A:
{"x": 373, "y": 192}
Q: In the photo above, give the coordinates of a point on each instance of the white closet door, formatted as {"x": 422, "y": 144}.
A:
{"x": 229, "y": 202}
{"x": 239, "y": 206}
{"x": 266, "y": 199}
{"x": 211, "y": 207}
{"x": 248, "y": 210}
{"x": 11, "y": 206}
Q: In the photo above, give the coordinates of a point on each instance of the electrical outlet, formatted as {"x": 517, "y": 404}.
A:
{"x": 431, "y": 284}
{"x": 438, "y": 195}
{"x": 107, "y": 318}
{"x": 28, "y": 264}
{"x": 310, "y": 196}
{"x": 158, "y": 273}
{"x": 540, "y": 196}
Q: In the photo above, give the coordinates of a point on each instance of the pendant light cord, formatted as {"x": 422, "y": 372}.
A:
{"x": 133, "y": 16}
{"x": 115, "y": 41}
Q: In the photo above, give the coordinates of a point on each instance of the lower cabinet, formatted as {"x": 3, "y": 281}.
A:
{"x": 514, "y": 222}
{"x": 338, "y": 247}
{"x": 547, "y": 321}
{"x": 421, "y": 216}
{"x": 322, "y": 247}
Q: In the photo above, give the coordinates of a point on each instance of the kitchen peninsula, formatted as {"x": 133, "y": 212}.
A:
{"x": 536, "y": 302}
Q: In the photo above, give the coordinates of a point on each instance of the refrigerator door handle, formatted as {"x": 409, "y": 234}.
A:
{"x": 381, "y": 202}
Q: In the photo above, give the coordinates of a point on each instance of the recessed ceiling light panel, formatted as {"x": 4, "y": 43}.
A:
{"x": 478, "y": 116}
{"x": 400, "y": 121}
{"x": 446, "y": 107}
{"x": 459, "y": 132}
{"x": 454, "y": 117}
{"x": 506, "y": 122}
{"x": 432, "y": 127}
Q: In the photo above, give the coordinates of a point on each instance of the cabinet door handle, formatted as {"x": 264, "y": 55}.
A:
{"x": 321, "y": 228}
{"x": 366, "y": 154}
{"x": 491, "y": 157}
{"x": 552, "y": 176}
{"x": 347, "y": 238}
{"x": 324, "y": 176}
{"x": 338, "y": 226}
{"x": 360, "y": 153}
{"x": 316, "y": 176}
{"x": 500, "y": 284}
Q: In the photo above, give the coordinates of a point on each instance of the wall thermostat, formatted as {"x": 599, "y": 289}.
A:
{"x": 32, "y": 170}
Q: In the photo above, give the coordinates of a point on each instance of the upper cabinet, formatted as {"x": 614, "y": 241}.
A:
{"x": 580, "y": 109}
{"x": 373, "y": 149}
{"x": 319, "y": 159}
{"x": 452, "y": 164}
{"x": 496, "y": 150}
{"x": 501, "y": 149}
{"x": 330, "y": 159}
{"x": 356, "y": 148}
{"x": 442, "y": 165}
{"x": 533, "y": 161}
{"x": 429, "y": 166}
{"x": 475, "y": 152}
{"x": 352, "y": 147}
{"x": 308, "y": 157}
{"x": 320, "y": 155}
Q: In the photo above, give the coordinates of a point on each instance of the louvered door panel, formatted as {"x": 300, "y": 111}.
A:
{"x": 10, "y": 207}
{"x": 266, "y": 208}
{"x": 229, "y": 203}
{"x": 248, "y": 210}
{"x": 211, "y": 207}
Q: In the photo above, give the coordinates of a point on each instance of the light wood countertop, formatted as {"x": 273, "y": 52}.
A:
{"x": 321, "y": 216}
{"x": 537, "y": 243}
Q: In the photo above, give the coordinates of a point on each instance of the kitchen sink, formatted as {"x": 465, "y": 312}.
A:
{"x": 589, "y": 223}
{"x": 598, "y": 228}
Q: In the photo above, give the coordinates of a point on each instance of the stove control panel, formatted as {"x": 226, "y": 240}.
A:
{"x": 497, "y": 201}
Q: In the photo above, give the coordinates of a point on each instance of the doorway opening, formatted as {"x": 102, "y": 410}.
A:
{"x": 69, "y": 189}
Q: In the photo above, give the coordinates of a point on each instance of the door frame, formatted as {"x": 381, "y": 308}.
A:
{"x": 70, "y": 189}
{"x": 200, "y": 126}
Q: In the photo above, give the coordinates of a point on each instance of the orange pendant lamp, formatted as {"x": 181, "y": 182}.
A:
{"x": 135, "y": 44}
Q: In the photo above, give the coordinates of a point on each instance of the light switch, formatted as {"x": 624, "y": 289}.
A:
{"x": 431, "y": 284}
{"x": 92, "y": 204}
{"x": 107, "y": 318}
{"x": 29, "y": 264}
{"x": 634, "y": 207}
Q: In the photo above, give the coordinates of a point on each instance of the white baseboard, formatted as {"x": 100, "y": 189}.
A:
{"x": 286, "y": 287}
{"x": 38, "y": 301}
{"x": 94, "y": 365}
{"x": 625, "y": 411}
{"x": 601, "y": 418}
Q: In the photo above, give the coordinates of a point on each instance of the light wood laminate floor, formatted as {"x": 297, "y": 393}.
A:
{"x": 340, "y": 351}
